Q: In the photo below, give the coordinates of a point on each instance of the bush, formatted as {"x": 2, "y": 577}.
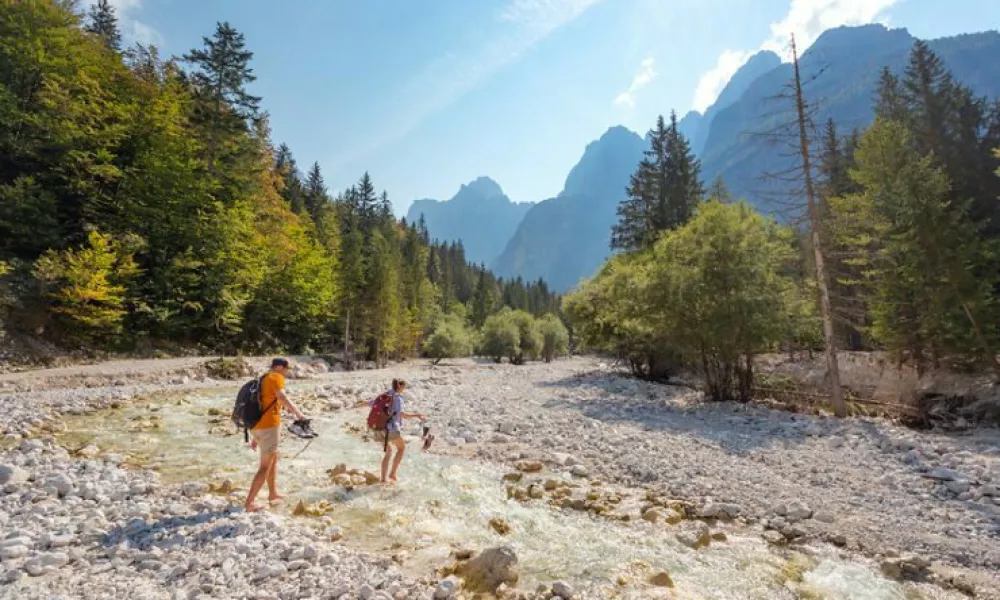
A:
{"x": 555, "y": 337}
{"x": 85, "y": 289}
{"x": 451, "y": 338}
{"x": 501, "y": 336}
{"x": 529, "y": 336}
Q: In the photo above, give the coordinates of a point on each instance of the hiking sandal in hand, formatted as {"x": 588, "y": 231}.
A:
{"x": 302, "y": 429}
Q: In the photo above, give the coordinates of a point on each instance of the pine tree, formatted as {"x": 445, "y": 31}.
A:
{"x": 104, "y": 22}
{"x": 663, "y": 191}
{"x": 315, "y": 195}
{"x": 222, "y": 72}
{"x": 679, "y": 181}
{"x": 286, "y": 167}
{"x": 890, "y": 105}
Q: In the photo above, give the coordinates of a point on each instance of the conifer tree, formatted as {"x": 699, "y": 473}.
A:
{"x": 222, "y": 73}
{"x": 663, "y": 191}
{"x": 314, "y": 195}
{"x": 104, "y": 22}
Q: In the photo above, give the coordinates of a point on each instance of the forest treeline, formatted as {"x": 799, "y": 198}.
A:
{"x": 909, "y": 218}
{"x": 144, "y": 205}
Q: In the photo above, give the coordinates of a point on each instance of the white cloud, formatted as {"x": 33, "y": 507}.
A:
{"x": 134, "y": 31}
{"x": 514, "y": 29}
{"x": 644, "y": 76}
{"x": 711, "y": 83}
{"x": 806, "y": 19}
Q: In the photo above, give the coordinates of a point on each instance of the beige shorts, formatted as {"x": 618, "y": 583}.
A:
{"x": 380, "y": 436}
{"x": 267, "y": 440}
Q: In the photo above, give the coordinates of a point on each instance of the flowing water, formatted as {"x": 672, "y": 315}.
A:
{"x": 443, "y": 503}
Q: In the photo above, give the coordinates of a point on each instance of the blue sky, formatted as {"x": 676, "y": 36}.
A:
{"x": 429, "y": 94}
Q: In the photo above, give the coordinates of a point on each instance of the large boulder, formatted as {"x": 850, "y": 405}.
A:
{"x": 491, "y": 568}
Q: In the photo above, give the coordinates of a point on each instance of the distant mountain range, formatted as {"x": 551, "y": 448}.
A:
{"x": 565, "y": 239}
{"x": 480, "y": 215}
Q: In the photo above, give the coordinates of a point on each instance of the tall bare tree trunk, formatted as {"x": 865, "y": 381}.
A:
{"x": 832, "y": 365}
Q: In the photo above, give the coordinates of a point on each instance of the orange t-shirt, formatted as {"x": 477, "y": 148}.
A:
{"x": 269, "y": 398}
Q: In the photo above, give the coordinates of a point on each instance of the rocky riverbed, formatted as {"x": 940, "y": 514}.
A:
{"x": 87, "y": 520}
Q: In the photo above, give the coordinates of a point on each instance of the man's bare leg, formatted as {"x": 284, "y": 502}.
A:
{"x": 272, "y": 486}
{"x": 263, "y": 473}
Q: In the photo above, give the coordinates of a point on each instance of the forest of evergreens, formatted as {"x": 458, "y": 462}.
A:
{"x": 144, "y": 205}
{"x": 909, "y": 218}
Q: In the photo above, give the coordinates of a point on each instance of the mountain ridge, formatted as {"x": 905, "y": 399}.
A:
{"x": 479, "y": 215}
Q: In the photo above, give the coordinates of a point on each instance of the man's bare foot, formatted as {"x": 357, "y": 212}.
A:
{"x": 393, "y": 480}
{"x": 252, "y": 508}
{"x": 275, "y": 499}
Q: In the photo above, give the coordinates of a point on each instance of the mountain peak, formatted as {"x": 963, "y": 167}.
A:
{"x": 483, "y": 187}
{"x": 858, "y": 36}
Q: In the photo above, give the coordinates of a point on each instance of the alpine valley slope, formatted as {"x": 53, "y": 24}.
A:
{"x": 565, "y": 239}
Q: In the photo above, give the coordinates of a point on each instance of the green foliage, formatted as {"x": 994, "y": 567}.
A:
{"x": 610, "y": 315}
{"x": 85, "y": 289}
{"x": 662, "y": 193}
{"x": 711, "y": 294}
{"x": 209, "y": 237}
{"x": 529, "y": 338}
{"x": 555, "y": 337}
{"x": 926, "y": 276}
{"x": 501, "y": 336}
{"x": 719, "y": 292}
{"x": 451, "y": 338}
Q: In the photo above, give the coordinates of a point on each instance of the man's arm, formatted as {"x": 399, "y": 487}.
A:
{"x": 289, "y": 405}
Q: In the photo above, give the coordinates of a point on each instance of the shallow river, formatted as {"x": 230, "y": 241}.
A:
{"x": 443, "y": 503}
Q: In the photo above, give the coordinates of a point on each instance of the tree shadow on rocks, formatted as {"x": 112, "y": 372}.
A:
{"x": 164, "y": 533}
{"x": 733, "y": 427}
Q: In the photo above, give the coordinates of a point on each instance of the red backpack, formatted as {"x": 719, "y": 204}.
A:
{"x": 379, "y": 415}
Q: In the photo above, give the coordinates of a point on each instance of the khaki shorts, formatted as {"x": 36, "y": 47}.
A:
{"x": 267, "y": 440}
{"x": 380, "y": 436}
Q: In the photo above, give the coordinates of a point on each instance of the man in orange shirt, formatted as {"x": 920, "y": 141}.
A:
{"x": 265, "y": 432}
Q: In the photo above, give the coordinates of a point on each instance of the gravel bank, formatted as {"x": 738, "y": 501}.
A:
{"x": 88, "y": 528}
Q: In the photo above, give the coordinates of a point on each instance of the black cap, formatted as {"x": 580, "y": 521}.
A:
{"x": 279, "y": 362}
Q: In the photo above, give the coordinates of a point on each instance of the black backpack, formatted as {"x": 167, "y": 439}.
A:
{"x": 247, "y": 410}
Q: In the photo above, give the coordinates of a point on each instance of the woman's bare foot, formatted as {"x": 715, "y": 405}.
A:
{"x": 275, "y": 499}
{"x": 252, "y": 508}
{"x": 393, "y": 480}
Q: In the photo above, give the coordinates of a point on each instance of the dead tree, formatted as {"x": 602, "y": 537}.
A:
{"x": 802, "y": 208}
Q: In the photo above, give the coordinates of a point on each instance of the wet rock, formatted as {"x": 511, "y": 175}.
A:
{"x": 562, "y": 590}
{"x": 491, "y": 568}
{"x": 535, "y": 491}
{"x": 529, "y": 466}
{"x": 500, "y": 526}
{"x": 695, "y": 535}
{"x": 446, "y": 588}
{"x": 11, "y": 552}
{"x": 579, "y": 471}
{"x": 662, "y": 579}
{"x": 513, "y": 477}
{"x": 88, "y": 451}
